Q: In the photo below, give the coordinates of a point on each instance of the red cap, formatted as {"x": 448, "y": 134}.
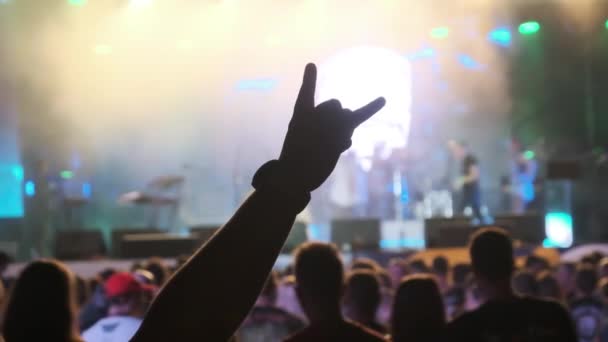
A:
{"x": 122, "y": 283}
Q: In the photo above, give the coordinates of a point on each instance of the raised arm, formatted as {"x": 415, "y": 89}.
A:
{"x": 208, "y": 298}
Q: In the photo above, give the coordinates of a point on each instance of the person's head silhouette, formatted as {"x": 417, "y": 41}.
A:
{"x": 418, "y": 311}
{"x": 362, "y": 298}
{"x": 319, "y": 280}
{"x": 491, "y": 251}
{"x": 586, "y": 280}
{"x": 525, "y": 283}
{"x": 41, "y": 305}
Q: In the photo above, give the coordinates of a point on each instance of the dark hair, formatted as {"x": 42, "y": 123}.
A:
{"x": 460, "y": 272}
{"x": 455, "y": 296}
{"x": 93, "y": 283}
{"x": 603, "y": 267}
{"x": 586, "y": 279}
{"x": 5, "y": 260}
{"x": 524, "y": 283}
{"x": 82, "y": 291}
{"x": 319, "y": 272}
{"x": 365, "y": 264}
{"x": 417, "y": 266}
{"x": 288, "y": 270}
{"x": 534, "y": 261}
{"x": 441, "y": 265}
{"x": 385, "y": 279}
{"x": 157, "y": 267}
{"x": 106, "y": 273}
{"x": 418, "y": 312}
{"x": 454, "y": 300}
{"x": 41, "y": 305}
{"x": 136, "y": 266}
{"x": 491, "y": 252}
{"x": 603, "y": 286}
{"x": 596, "y": 257}
{"x": 548, "y": 287}
{"x": 570, "y": 267}
{"x": 362, "y": 292}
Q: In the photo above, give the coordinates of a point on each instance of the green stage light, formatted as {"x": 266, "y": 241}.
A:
{"x": 529, "y": 155}
{"x": 606, "y": 24}
{"x": 77, "y": 2}
{"x": 67, "y": 174}
{"x": 529, "y": 27}
{"x": 440, "y": 32}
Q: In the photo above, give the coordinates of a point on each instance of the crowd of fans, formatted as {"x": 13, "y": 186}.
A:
{"x": 224, "y": 291}
{"x": 319, "y": 298}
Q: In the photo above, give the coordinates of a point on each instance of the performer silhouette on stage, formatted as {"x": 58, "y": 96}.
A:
{"x": 468, "y": 182}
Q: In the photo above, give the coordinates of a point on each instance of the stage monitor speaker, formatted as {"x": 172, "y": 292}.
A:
{"x": 447, "y": 232}
{"x": 204, "y": 233}
{"x": 79, "y": 244}
{"x": 527, "y": 228}
{"x": 360, "y": 234}
{"x": 118, "y": 233}
{"x": 456, "y": 232}
{"x": 157, "y": 245}
{"x": 296, "y": 237}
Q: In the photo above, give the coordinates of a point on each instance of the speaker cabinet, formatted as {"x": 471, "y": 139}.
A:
{"x": 119, "y": 233}
{"x": 79, "y": 244}
{"x": 157, "y": 245}
{"x": 360, "y": 234}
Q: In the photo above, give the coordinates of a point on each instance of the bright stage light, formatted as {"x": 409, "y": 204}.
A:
{"x": 30, "y": 188}
{"x": 529, "y": 27}
{"x": 468, "y": 62}
{"x": 66, "y": 174}
{"x": 606, "y": 24}
{"x": 558, "y": 228}
{"x": 140, "y": 3}
{"x": 185, "y": 44}
{"x": 500, "y": 36}
{"x": 86, "y": 190}
{"x": 359, "y": 75}
{"x": 440, "y": 32}
{"x": 77, "y": 2}
{"x": 102, "y": 49}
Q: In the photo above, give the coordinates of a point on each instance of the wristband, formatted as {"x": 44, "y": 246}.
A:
{"x": 273, "y": 177}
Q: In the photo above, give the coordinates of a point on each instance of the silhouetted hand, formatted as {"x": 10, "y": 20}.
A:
{"x": 318, "y": 135}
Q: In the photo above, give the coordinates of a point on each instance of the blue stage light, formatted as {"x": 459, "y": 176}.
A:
{"x": 558, "y": 228}
{"x": 500, "y": 36}
{"x": 257, "y": 84}
{"x": 468, "y": 62}
{"x": 420, "y": 54}
{"x": 86, "y": 190}
{"x": 30, "y": 188}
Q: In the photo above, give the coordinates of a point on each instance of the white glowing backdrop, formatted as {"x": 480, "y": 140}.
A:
{"x": 358, "y": 75}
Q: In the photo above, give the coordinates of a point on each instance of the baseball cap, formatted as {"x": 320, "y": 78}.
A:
{"x": 123, "y": 283}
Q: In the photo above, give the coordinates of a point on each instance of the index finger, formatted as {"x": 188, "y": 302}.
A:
{"x": 362, "y": 114}
{"x": 306, "y": 98}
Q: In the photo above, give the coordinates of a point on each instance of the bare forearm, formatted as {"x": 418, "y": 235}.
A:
{"x": 214, "y": 291}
